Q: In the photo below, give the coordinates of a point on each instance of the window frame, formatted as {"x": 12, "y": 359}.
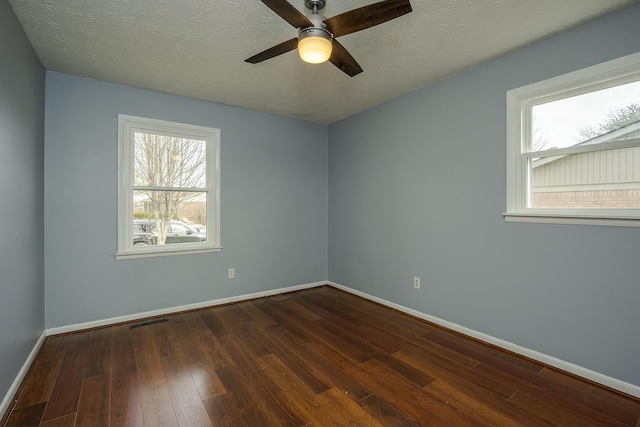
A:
{"x": 127, "y": 126}
{"x": 519, "y": 104}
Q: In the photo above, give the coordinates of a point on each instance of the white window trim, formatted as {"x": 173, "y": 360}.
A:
{"x": 126, "y": 127}
{"x": 519, "y": 103}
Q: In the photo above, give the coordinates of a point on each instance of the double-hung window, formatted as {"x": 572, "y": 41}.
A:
{"x": 573, "y": 147}
{"x": 168, "y": 189}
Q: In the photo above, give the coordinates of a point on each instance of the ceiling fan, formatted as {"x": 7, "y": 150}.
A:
{"x": 316, "y": 41}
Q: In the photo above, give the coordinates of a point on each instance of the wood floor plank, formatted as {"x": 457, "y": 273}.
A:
{"x": 247, "y": 373}
{"x": 559, "y": 392}
{"x": 187, "y": 403}
{"x": 400, "y": 329}
{"x": 444, "y": 352}
{"x": 308, "y": 331}
{"x": 256, "y": 314}
{"x": 244, "y": 408}
{"x": 581, "y": 398}
{"x": 438, "y": 367}
{"x": 232, "y": 315}
{"x": 99, "y": 356}
{"x": 222, "y": 412}
{"x": 66, "y": 421}
{"x": 299, "y": 393}
{"x": 93, "y": 408}
{"x": 198, "y": 360}
{"x": 147, "y": 357}
{"x": 480, "y": 406}
{"x": 352, "y": 350}
{"x": 348, "y": 343}
{"x": 125, "y": 408}
{"x": 376, "y": 314}
{"x": 334, "y": 352}
{"x": 163, "y": 344}
{"x": 485, "y": 354}
{"x": 370, "y": 350}
{"x": 123, "y": 361}
{"x": 380, "y": 338}
{"x": 157, "y": 408}
{"x": 412, "y": 373}
{"x": 562, "y": 403}
{"x": 206, "y": 341}
{"x": 250, "y": 336}
{"x": 179, "y": 372}
{"x": 403, "y": 395}
{"x": 259, "y": 416}
{"x": 302, "y": 310}
{"x": 330, "y": 313}
{"x": 39, "y": 383}
{"x": 346, "y": 412}
{"x": 307, "y": 373}
{"x": 328, "y": 373}
{"x": 384, "y": 413}
{"x": 214, "y": 323}
{"x": 617, "y": 406}
{"x": 286, "y": 318}
{"x": 530, "y": 407}
{"x": 27, "y": 416}
{"x": 66, "y": 391}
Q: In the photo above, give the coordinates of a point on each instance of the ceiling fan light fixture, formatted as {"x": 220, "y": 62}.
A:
{"x": 316, "y": 33}
{"x": 314, "y": 45}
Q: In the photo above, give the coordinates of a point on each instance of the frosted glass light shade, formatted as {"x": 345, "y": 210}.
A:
{"x": 314, "y": 50}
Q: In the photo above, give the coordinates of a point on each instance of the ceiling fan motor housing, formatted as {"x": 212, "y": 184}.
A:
{"x": 319, "y": 28}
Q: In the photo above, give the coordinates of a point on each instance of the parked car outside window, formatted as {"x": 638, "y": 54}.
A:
{"x": 146, "y": 233}
{"x": 143, "y": 236}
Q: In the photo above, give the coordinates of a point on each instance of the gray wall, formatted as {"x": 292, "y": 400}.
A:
{"x": 273, "y": 209}
{"x": 21, "y": 197}
{"x": 417, "y": 188}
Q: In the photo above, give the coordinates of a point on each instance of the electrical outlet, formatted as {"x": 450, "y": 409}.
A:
{"x": 416, "y": 282}
{"x": 232, "y": 273}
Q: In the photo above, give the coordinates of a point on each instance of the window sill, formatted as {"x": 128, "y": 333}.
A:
{"x": 557, "y": 218}
{"x": 150, "y": 254}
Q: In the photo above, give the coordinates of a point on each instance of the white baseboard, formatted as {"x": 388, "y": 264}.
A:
{"x": 176, "y": 309}
{"x": 6, "y": 402}
{"x": 580, "y": 371}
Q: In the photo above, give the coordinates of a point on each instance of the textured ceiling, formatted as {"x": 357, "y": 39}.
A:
{"x": 196, "y": 48}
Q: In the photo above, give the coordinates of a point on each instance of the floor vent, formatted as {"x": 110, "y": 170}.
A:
{"x": 150, "y": 322}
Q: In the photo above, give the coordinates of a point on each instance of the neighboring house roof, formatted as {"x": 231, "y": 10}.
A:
{"x": 627, "y": 132}
{"x": 610, "y": 169}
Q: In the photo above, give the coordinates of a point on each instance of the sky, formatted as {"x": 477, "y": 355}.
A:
{"x": 560, "y": 121}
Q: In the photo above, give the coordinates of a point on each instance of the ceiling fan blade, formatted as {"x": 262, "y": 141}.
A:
{"x": 274, "y": 51}
{"x": 343, "y": 60}
{"x": 289, "y": 13}
{"x": 367, "y": 16}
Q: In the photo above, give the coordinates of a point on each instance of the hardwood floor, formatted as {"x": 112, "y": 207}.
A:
{"x": 320, "y": 358}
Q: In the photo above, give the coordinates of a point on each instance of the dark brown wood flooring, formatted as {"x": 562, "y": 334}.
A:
{"x": 321, "y": 358}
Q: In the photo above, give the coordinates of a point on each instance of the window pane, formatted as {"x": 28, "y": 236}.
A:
{"x": 165, "y": 161}
{"x": 169, "y": 217}
{"x": 601, "y": 116}
{"x": 600, "y": 179}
